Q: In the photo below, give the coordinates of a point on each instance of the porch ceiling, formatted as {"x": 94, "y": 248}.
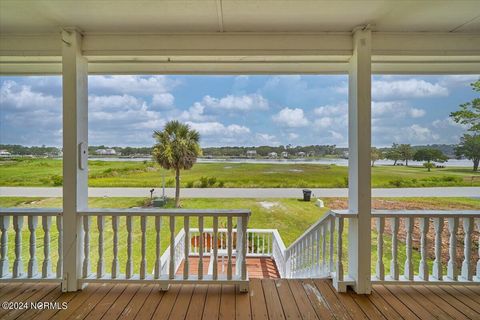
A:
{"x": 45, "y": 16}
{"x": 241, "y": 36}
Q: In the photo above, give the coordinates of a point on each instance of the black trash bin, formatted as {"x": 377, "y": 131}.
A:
{"x": 307, "y": 194}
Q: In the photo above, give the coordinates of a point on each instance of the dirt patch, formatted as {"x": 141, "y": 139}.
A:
{"x": 268, "y": 205}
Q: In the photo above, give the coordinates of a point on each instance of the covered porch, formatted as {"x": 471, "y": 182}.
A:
{"x": 204, "y": 270}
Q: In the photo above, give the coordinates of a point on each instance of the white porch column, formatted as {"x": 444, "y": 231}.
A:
{"x": 75, "y": 173}
{"x": 359, "y": 139}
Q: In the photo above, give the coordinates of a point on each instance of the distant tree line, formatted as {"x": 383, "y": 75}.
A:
{"x": 16, "y": 149}
{"x": 263, "y": 151}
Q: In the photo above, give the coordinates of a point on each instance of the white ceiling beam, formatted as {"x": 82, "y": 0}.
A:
{"x": 236, "y": 53}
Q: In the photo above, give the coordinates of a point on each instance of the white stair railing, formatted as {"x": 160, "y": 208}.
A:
{"x": 318, "y": 252}
{"x": 166, "y": 266}
{"x": 14, "y": 222}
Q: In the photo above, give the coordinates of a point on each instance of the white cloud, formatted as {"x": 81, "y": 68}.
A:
{"x": 393, "y": 88}
{"x": 126, "y": 84}
{"x": 14, "y": 96}
{"x": 331, "y": 110}
{"x": 237, "y": 103}
{"x": 458, "y": 80}
{"x": 448, "y": 123}
{"x": 293, "y": 136}
{"x": 217, "y": 128}
{"x": 410, "y": 88}
{"x": 195, "y": 113}
{"x": 265, "y": 139}
{"x": 163, "y": 100}
{"x": 395, "y": 109}
{"x": 337, "y": 136}
{"x": 416, "y": 113}
{"x": 324, "y": 122}
{"x": 292, "y": 118}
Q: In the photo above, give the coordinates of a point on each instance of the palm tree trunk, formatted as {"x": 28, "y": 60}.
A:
{"x": 475, "y": 164}
{"x": 177, "y": 188}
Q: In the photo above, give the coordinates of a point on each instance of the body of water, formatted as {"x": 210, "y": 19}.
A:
{"x": 338, "y": 162}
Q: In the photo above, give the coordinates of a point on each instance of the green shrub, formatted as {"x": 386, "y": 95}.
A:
{"x": 212, "y": 181}
{"x": 189, "y": 184}
{"x": 221, "y": 184}
{"x": 57, "y": 180}
{"x": 203, "y": 182}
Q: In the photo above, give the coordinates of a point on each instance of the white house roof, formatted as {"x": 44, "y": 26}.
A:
{"x": 45, "y": 16}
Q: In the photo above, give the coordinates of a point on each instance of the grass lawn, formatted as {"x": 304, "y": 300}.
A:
{"x": 290, "y": 216}
{"x": 47, "y": 172}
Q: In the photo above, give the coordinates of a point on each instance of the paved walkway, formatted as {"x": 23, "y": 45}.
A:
{"x": 244, "y": 192}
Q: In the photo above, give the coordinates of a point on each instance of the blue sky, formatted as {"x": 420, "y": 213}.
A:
{"x": 236, "y": 110}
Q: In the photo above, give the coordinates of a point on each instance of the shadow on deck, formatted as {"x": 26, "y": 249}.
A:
{"x": 267, "y": 299}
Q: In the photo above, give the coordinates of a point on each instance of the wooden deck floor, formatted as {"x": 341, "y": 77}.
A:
{"x": 267, "y": 299}
{"x": 261, "y": 267}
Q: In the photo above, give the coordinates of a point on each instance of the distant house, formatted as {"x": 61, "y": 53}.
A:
{"x": 251, "y": 153}
{"x": 5, "y": 153}
{"x": 106, "y": 152}
{"x": 284, "y": 154}
{"x": 273, "y": 155}
{"x": 56, "y": 153}
{"x": 301, "y": 154}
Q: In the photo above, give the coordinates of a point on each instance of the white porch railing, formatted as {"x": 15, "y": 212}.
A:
{"x": 319, "y": 251}
{"x": 430, "y": 228}
{"x": 447, "y": 242}
{"x": 27, "y": 222}
{"x": 166, "y": 265}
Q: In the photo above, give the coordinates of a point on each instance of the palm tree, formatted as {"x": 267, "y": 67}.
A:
{"x": 177, "y": 148}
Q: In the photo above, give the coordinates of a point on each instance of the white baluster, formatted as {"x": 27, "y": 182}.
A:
{"x": 317, "y": 243}
{"x": 340, "y": 249}
{"x": 201, "y": 248}
{"x": 312, "y": 251}
{"x": 408, "y": 270}
{"x": 186, "y": 263}
{"x": 215, "y": 248}
{"x": 60, "y": 247}
{"x": 324, "y": 247}
{"x": 158, "y": 264}
{"x": 129, "y": 266}
{"x": 437, "y": 264}
{"x": 380, "y": 268}
{"x": 100, "y": 263}
{"x": 4, "y": 265}
{"x": 86, "y": 246}
{"x": 477, "y": 276}
{"x": 332, "y": 245}
{"x": 32, "y": 262}
{"x": 452, "y": 249}
{"x": 467, "y": 272}
{"x": 18, "y": 263}
{"x": 143, "y": 262}
{"x": 229, "y": 248}
{"x": 244, "y": 220}
{"x": 115, "y": 266}
{"x": 47, "y": 263}
{"x": 171, "y": 269}
{"x": 394, "y": 270}
{"x": 423, "y": 266}
{"x": 269, "y": 236}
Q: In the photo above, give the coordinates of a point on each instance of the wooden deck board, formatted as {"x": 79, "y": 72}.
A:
{"x": 267, "y": 299}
